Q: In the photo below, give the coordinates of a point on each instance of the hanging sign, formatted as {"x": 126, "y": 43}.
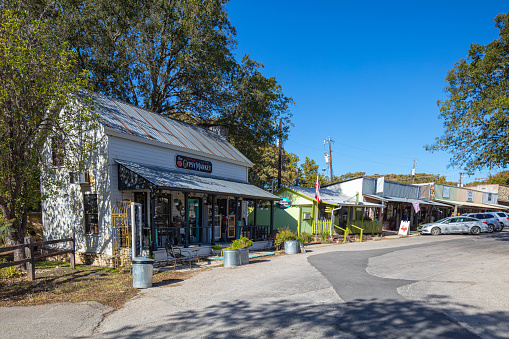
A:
{"x": 193, "y": 164}
{"x": 284, "y": 203}
{"x": 417, "y": 208}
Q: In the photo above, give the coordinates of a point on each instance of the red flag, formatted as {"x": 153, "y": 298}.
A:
{"x": 317, "y": 192}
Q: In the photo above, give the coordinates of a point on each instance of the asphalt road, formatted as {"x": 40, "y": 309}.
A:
{"x": 425, "y": 290}
{"x": 419, "y": 287}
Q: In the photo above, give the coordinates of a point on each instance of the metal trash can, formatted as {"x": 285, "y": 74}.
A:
{"x": 142, "y": 272}
{"x": 292, "y": 246}
{"x": 231, "y": 257}
{"x": 244, "y": 256}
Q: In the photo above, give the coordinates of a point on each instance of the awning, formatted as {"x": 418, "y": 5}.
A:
{"x": 406, "y": 200}
{"x": 132, "y": 176}
{"x": 473, "y": 204}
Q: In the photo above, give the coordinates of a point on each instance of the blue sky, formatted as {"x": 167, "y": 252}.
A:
{"x": 366, "y": 73}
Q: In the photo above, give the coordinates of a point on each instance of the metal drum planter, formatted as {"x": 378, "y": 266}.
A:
{"x": 142, "y": 272}
{"x": 244, "y": 256}
{"x": 292, "y": 246}
{"x": 231, "y": 257}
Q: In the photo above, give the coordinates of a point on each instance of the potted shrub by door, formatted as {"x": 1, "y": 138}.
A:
{"x": 216, "y": 250}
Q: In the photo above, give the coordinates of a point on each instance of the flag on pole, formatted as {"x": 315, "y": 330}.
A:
{"x": 317, "y": 192}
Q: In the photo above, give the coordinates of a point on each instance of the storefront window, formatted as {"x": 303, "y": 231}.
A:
{"x": 91, "y": 215}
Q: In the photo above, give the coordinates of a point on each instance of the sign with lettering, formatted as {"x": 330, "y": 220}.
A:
{"x": 193, "y": 164}
{"x": 470, "y": 196}
{"x": 284, "y": 203}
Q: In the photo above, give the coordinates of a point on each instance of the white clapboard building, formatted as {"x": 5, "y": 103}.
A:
{"x": 190, "y": 183}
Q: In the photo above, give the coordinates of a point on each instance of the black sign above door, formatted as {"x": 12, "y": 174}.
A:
{"x": 193, "y": 164}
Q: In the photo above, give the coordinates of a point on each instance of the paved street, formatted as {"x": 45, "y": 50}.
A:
{"x": 425, "y": 286}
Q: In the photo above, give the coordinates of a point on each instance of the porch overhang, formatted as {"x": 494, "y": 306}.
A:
{"x": 406, "y": 200}
{"x": 135, "y": 176}
{"x": 472, "y": 204}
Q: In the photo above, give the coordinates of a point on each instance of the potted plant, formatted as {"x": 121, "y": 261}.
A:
{"x": 242, "y": 245}
{"x": 216, "y": 250}
{"x": 289, "y": 240}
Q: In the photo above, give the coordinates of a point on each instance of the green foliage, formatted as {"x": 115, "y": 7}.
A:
{"x": 217, "y": 247}
{"x": 282, "y": 236}
{"x": 9, "y": 272}
{"x": 242, "y": 242}
{"x": 175, "y": 58}
{"x": 40, "y": 81}
{"x": 325, "y": 237}
{"x": 307, "y": 237}
{"x": 476, "y": 111}
{"x": 264, "y": 173}
{"x": 309, "y": 172}
{"x": 350, "y": 175}
{"x": 501, "y": 178}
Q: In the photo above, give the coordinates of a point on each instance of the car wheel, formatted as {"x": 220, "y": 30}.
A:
{"x": 490, "y": 228}
{"x": 435, "y": 231}
{"x": 475, "y": 230}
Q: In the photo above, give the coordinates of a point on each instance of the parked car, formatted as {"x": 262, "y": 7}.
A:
{"x": 461, "y": 224}
{"x": 503, "y": 217}
{"x": 489, "y": 219}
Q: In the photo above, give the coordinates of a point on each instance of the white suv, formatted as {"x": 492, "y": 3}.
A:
{"x": 489, "y": 219}
{"x": 503, "y": 217}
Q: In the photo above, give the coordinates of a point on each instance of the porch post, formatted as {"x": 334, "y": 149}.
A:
{"x": 236, "y": 227}
{"x": 153, "y": 220}
{"x": 213, "y": 240}
{"x": 272, "y": 217}
{"x": 255, "y": 212}
{"x": 186, "y": 216}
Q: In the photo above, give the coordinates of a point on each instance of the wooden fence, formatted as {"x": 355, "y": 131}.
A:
{"x": 30, "y": 257}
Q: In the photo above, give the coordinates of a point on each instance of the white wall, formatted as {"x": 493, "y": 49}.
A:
{"x": 348, "y": 188}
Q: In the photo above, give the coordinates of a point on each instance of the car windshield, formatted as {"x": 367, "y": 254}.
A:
{"x": 441, "y": 221}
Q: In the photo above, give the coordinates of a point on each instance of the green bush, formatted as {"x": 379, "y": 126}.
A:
{"x": 307, "y": 237}
{"x": 217, "y": 247}
{"x": 9, "y": 272}
{"x": 282, "y": 236}
{"x": 325, "y": 237}
{"x": 242, "y": 242}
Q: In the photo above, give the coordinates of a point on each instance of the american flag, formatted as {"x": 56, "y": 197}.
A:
{"x": 317, "y": 192}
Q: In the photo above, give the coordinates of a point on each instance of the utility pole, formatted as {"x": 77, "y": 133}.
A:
{"x": 280, "y": 156}
{"x": 461, "y": 176}
{"x": 330, "y": 158}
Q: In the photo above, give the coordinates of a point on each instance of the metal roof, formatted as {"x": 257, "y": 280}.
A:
{"x": 331, "y": 197}
{"x": 407, "y": 200}
{"x": 473, "y": 204}
{"x": 161, "y": 177}
{"x": 132, "y": 120}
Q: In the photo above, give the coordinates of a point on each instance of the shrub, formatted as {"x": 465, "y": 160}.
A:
{"x": 282, "y": 236}
{"x": 306, "y": 237}
{"x": 325, "y": 237}
{"x": 242, "y": 242}
{"x": 217, "y": 247}
{"x": 9, "y": 272}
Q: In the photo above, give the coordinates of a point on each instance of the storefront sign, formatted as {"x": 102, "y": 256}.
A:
{"x": 446, "y": 192}
{"x": 404, "y": 228}
{"x": 284, "y": 203}
{"x": 193, "y": 164}
{"x": 470, "y": 196}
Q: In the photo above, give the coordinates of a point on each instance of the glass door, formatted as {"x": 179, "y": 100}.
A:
{"x": 194, "y": 218}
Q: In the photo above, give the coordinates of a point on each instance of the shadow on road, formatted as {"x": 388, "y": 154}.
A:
{"x": 244, "y": 319}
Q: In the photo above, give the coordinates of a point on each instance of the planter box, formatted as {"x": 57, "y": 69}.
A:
{"x": 244, "y": 256}
{"x": 231, "y": 258}
{"x": 292, "y": 246}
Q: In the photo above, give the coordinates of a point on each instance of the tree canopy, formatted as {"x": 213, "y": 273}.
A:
{"x": 39, "y": 79}
{"x": 476, "y": 111}
{"x": 174, "y": 58}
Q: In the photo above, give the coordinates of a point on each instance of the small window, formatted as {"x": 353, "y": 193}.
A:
{"x": 91, "y": 217}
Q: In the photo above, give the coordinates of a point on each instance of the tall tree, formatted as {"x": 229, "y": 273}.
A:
{"x": 39, "y": 82}
{"x": 309, "y": 172}
{"x": 476, "y": 112}
{"x": 264, "y": 173}
{"x": 174, "y": 58}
